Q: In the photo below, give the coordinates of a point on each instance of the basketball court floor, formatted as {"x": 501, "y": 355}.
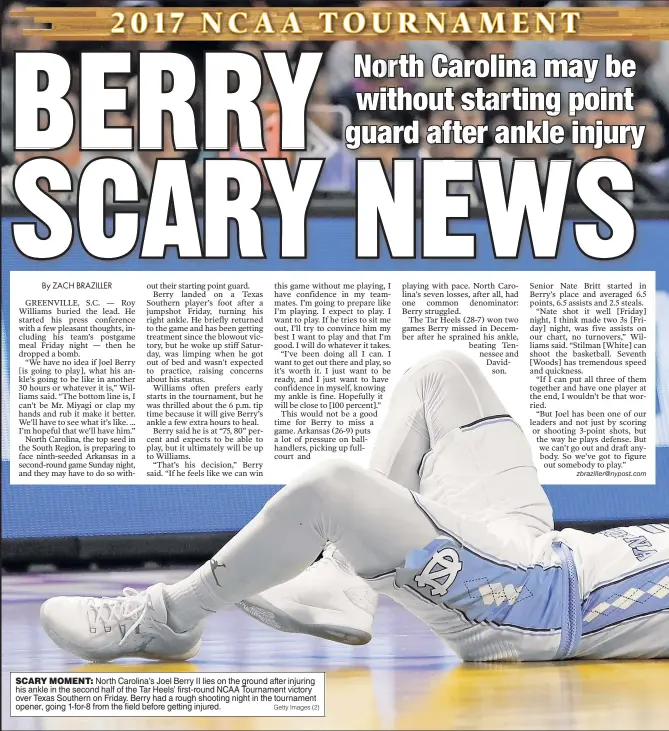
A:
{"x": 404, "y": 679}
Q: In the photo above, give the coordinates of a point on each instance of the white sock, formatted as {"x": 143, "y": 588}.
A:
{"x": 190, "y": 600}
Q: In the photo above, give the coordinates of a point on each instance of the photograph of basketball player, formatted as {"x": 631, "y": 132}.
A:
{"x": 449, "y": 520}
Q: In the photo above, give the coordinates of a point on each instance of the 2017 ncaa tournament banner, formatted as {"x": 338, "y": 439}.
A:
{"x": 267, "y": 261}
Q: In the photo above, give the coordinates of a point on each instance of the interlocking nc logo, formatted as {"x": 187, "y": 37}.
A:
{"x": 445, "y": 564}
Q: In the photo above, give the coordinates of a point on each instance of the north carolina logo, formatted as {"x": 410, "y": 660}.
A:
{"x": 444, "y": 564}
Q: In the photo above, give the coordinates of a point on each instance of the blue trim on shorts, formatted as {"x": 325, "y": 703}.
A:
{"x": 466, "y": 544}
{"x": 571, "y": 604}
{"x": 637, "y": 595}
{"x": 627, "y": 575}
{"x": 451, "y": 576}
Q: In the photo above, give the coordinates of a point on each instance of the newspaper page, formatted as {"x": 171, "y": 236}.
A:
{"x": 228, "y": 234}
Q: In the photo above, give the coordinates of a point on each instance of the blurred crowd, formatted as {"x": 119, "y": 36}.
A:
{"x": 333, "y": 100}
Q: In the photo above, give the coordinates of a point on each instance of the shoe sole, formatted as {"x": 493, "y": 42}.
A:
{"x": 73, "y": 650}
{"x": 263, "y": 611}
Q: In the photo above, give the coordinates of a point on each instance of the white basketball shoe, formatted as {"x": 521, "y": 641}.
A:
{"x": 328, "y": 600}
{"x": 106, "y": 628}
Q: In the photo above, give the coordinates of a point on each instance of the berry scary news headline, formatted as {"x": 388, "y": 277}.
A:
{"x": 590, "y": 130}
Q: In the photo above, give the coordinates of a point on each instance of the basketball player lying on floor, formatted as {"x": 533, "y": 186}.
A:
{"x": 469, "y": 548}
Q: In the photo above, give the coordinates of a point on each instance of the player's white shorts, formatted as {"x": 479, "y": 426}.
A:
{"x": 499, "y": 583}
{"x": 495, "y": 595}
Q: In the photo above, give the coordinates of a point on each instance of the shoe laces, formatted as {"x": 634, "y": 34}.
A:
{"x": 131, "y": 604}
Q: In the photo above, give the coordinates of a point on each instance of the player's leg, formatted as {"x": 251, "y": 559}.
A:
{"x": 447, "y": 435}
{"x": 492, "y": 596}
{"x": 434, "y": 397}
{"x": 624, "y": 576}
{"x": 374, "y": 521}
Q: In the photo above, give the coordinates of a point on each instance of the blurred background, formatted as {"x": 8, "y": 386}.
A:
{"x": 333, "y": 102}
